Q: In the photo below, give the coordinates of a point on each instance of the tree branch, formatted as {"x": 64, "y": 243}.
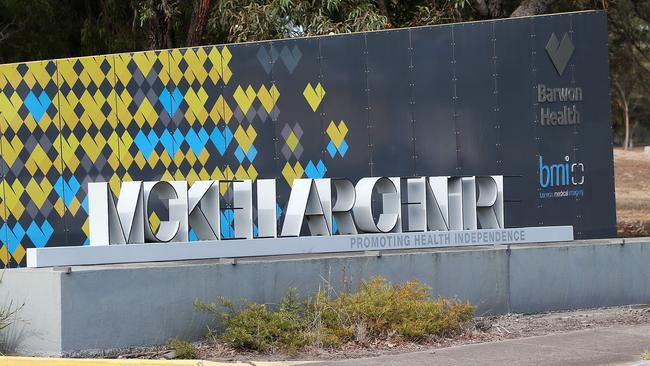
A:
{"x": 532, "y": 7}
{"x": 481, "y": 7}
{"x": 6, "y": 32}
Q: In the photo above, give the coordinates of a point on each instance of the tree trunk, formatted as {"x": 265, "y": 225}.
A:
{"x": 200, "y": 15}
{"x": 626, "y": 117}
{"x": 381, "y": 4}
{"x": 489, "y": 9}
{"x": 496, "y": 9}
{"x": 169, "y": 34}
{"x": 532, "y": 7}
{"x": 481, "y": 7}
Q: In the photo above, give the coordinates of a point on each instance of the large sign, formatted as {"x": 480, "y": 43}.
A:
{"x": 376, "y": 213}
{"x": 525, "y": 99}
{"x": 432, "y": 203}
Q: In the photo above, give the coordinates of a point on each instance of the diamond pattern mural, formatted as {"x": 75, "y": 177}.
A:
{"x": 342, "y": 107}
{"x": 31, "y": 159}
{"x": 193, "y": 114}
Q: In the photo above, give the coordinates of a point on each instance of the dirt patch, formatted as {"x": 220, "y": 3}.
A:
{"x": 632, "y": 169}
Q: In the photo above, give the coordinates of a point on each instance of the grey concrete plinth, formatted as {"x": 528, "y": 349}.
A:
{"x": 89, "y": 309}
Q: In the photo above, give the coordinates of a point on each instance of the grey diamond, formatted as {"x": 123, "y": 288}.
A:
{"x": 32, "y": 210}
{"x": 238, "y": 114}
{"x": 152, "y": 77}
{"x": 560, "y": 52}
{"x": 153, "y": 98}
{"x": 286, "y": 131}
{"x": 138, "y": 78}
{"x": 165, "y": 119}
{"x": 298, "y": 151}
{"x": 100, "y": 162}
{"x": 17, "y": 166}
{"x": 297, "y": 130}
{"x": 45, "y": 143}
{"x": 262, "y": 113}
{"x": 46, "y": 209}
{"x": 275, "y": 112}
{"x": 250, "y": 115}
{"x": 31, "y": 143}
{"x": 286, "y": 152}
{"x": 87, "y": 164}
{"x": 290, "y": 58}
{"x": 138, "y": 97}
{"x": 264, "y": 58}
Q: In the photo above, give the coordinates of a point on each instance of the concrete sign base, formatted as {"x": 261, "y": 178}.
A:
{"x": 88, "y": 309}
{"x": 134, "y": 253}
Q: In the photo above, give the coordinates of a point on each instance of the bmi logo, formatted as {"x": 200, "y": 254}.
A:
{"x": 566, "y": 178}
{"x": 560, "y": 52}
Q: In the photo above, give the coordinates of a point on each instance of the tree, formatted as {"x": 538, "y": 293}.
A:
{"x": 629, "y": 60}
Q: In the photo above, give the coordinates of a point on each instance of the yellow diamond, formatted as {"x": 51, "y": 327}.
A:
{"x": 19, "y": 253}
{"x": 154, "y": 222}
{"x": 4, "y": 255}
{"x": 74, "y": 206}
{"x": 292, "y": 141}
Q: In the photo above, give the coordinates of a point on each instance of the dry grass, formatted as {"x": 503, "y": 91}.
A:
{"x": 632, "y": 169}
{"x": 646, "y": 355}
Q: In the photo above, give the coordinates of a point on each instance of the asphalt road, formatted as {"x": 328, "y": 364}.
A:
{"x": 622, "y": 345}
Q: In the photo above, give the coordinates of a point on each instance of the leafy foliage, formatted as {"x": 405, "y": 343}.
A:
{"x": 40, "y": 29}
{"x": 378, "y": 310}
{"x": 184, "y": 349}
{"x": 256, "y": 327}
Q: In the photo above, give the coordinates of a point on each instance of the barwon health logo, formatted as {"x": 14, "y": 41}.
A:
{"x": 560, "y": 52}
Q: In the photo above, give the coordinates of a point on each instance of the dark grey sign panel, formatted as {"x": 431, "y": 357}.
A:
{"x": 525, "y": 98}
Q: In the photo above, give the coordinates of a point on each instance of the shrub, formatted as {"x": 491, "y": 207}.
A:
{"x": 6, "y": 315}
{"x": 646, "y": 355}
{"x": 380, "y": 309}
{"x": 377, "y": 310}
{"x": 256, "y": 327}
{"x": 184, "y": 350}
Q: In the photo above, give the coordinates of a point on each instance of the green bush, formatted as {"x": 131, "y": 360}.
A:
{"x": 258, "y": 328}
{"x": 377, "y": 310}
{"x": 380, "y": 309}
{"x": 184, "y": 350}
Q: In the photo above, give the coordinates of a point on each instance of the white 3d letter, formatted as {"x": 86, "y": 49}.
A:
{"x": 111, "y": 224}
{"x": 389, "y": 219}
{"x": 489, "y": 205}
{"x": 203, "y": 208}
{"x": 174, "y": 229}
{"x": 305, "y": 201}
{"x": 345, "y": 198}
{"x": 243, "y": 207}
{"x": 267, "y": 226}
